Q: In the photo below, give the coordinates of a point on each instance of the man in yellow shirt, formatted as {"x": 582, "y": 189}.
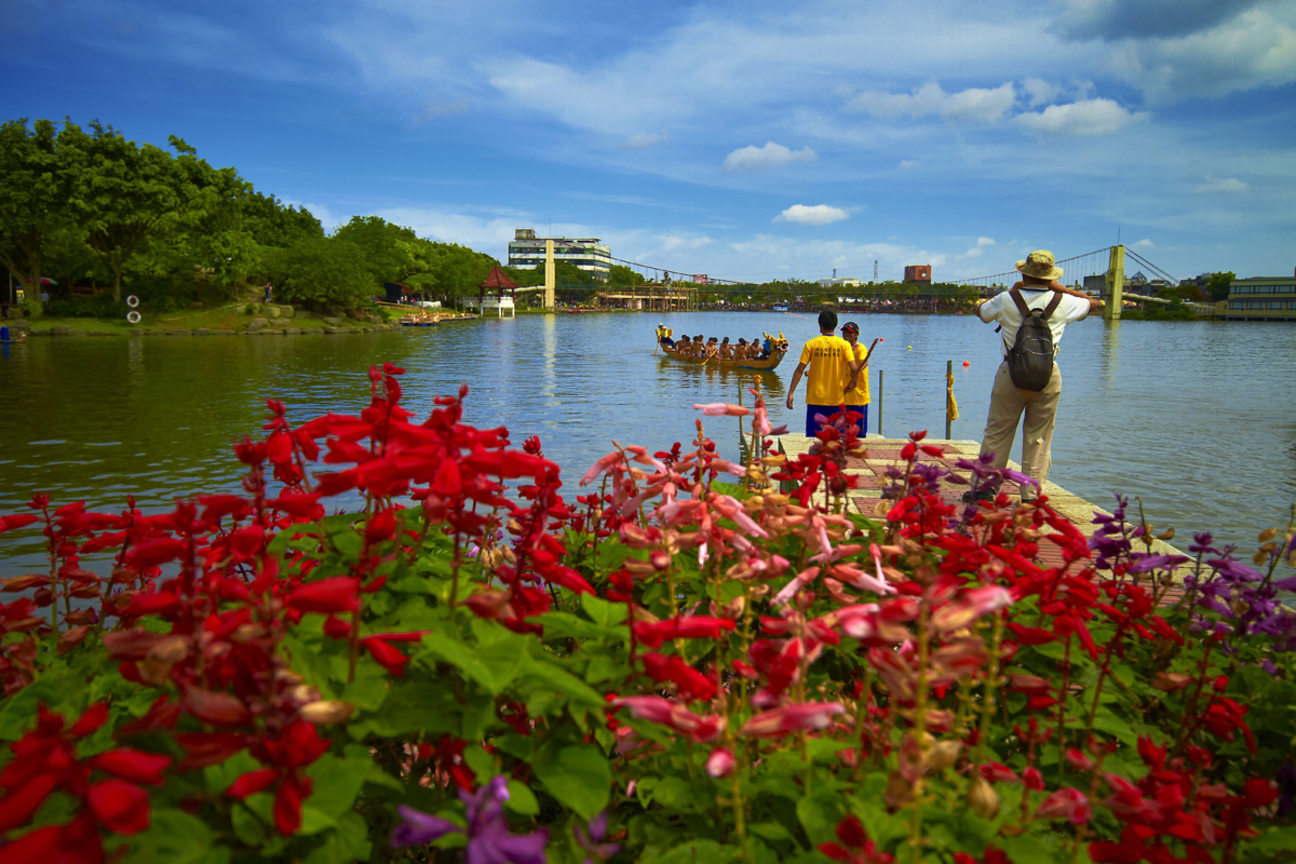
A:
{"x": 857, "y": 397}
{"x": 832, "y": 364}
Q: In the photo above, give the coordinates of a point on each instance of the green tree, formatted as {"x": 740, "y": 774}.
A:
{"x": 124, "y": 195}
{"x": 271, "y": 223}
{"x": 325, "y": 272}
{"x": 461, "y": 270}
{"x": 1219, "y": 285}
{"x": 393, "y": 253}
{"x": 32, "y": 194}
{"x": 623, "y": 277}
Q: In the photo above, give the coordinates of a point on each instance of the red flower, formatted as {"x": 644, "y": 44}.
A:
{"x": 695, "y": 627}
{"x": 133, "y": 765}
{"x": 1066, "y": 803}
{"x": 327, "y": 596}
{"x": 119, "y": 806}
{"x": 692, "y": 683}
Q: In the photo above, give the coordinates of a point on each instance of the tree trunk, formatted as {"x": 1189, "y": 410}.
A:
{"x": 117, "y": 277}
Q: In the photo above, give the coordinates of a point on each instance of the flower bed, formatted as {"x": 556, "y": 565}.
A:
{"x": 663, "y": 668}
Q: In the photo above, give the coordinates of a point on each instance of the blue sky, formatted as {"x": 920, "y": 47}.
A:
{"x": 746, "y": 140}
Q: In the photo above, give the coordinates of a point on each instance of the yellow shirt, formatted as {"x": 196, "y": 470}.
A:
{"x": 828, "y": 360}
{"x": 860, "y": 395}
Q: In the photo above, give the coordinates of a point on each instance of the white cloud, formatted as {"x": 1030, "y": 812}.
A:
{"x": 644, "y": 139}
{"x": 1090, "y": 117}
{"x": 976, "y": 251}
{"x": 906, "y": 164}
{"x": 819, "y": 214}
{"x": 1145, "y": 244}
{"x": 1255, "y": 49}
{"x": 441, "y": 107}
{"x": 1040, "y": 91}
{"x": 752, "y": 158}
{"x": 975, "y": 104}
{"x": 1222, "y": 184}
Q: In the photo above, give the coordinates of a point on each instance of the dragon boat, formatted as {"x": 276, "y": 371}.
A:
{"x": 778, "y": 350}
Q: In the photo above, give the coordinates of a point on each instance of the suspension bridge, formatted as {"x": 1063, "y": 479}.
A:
{"x": 1100, "y": 272}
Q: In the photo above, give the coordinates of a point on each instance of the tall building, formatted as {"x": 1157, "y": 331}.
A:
{"x": 918, "y": 273}
{"x": 526, "y": 250}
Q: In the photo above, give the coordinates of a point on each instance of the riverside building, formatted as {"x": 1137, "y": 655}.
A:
{"x": 1261, "y": 299}
{"x": 526, "y": 250}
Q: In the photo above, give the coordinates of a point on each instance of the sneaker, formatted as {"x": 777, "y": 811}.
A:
{"x": 982, "y": 495}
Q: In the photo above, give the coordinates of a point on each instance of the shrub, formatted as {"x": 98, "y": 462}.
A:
{"x": 664, "y": 669}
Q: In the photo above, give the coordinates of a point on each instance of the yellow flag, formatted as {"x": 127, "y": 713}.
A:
{"x": 951, "y": 406}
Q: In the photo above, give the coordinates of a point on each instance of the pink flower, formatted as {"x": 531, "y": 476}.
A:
{"x": 790, "y": 718}
{"x": 722, "y": 409}
{"x": 973, "y": 604}
{"x": 658, "y": 710}
{"x": 1070, "y": 804}
{"x": 720, "y": 763}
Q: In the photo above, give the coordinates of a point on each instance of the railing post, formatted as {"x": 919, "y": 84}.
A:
{"x": 880, "y": 403}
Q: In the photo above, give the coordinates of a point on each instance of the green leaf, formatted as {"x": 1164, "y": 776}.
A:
{"x": 772, "y": 831}
{"x": 481, "y": 762}
{"x": 438, "y": 647}
{"x": 544, "y": 671}
{"x": 337, "y": 783}
{"x": 521, "y": 800}
{"x": 175, "y": 837}
{"x": 347, "y": 843}
{"x": 603, "y": 612}
{"x": 369, "y": 688}
{"x": 675, "y": 793}
{"x": 1029, "y": 849}
{"x": 819, "y": 816}
{"x": 578, "y": 776}
{"x": 247, "y": 827}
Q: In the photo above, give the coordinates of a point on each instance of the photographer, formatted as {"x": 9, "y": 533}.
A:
{"x": 1038, "y": 290}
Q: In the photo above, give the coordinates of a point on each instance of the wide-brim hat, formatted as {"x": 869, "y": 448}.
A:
{"x": 1041, "y": 265}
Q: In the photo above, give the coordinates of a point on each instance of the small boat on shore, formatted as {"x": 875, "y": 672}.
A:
{"x": 776, "y": 355}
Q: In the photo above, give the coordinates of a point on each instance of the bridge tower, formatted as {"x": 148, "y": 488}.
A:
{"x": 1115, "y": 284}
{"x": 550, "y": 280}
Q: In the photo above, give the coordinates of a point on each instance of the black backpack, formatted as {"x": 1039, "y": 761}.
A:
{"x": 1030, "y": 360}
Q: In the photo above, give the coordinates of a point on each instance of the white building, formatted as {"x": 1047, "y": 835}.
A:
{"x": 526, "y": 250}
{"x": 844, "y": 282}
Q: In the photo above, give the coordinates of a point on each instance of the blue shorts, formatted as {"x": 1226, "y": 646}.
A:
{"x": 812, "y": 426}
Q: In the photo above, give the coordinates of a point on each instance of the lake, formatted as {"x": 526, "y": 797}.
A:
{"x": 1195, "y": 418}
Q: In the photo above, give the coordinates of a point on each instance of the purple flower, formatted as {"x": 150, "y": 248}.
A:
{"x": 592, "y": 841}
{"x": 489, "y": 841}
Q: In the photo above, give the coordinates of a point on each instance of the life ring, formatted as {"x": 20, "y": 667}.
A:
{"x": 132, "y": 301}
{"x": 133, "y": 317}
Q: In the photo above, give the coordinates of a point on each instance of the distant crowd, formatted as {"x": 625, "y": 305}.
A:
{"x": 915, "y": 304}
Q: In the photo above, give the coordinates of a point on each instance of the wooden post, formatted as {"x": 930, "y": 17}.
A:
{"x": 949, "y": 373}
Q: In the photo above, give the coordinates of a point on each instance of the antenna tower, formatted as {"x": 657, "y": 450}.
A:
{"x": 874, "y": 269}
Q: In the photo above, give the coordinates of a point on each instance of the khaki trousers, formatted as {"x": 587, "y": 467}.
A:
{"x": 1007, "y": 404}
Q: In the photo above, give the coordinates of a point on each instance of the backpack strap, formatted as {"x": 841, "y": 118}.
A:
{"x": 1021, "y": 304}
{"x": 1053, "y": 304}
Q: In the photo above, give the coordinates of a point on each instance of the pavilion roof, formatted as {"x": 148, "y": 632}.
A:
{"x": 497, "y": 279}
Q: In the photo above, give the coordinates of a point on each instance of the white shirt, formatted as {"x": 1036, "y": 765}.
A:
{"x": 1001, "y": 308}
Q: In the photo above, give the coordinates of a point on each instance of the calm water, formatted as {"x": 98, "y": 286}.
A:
{"x": 1198, "y": 422}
